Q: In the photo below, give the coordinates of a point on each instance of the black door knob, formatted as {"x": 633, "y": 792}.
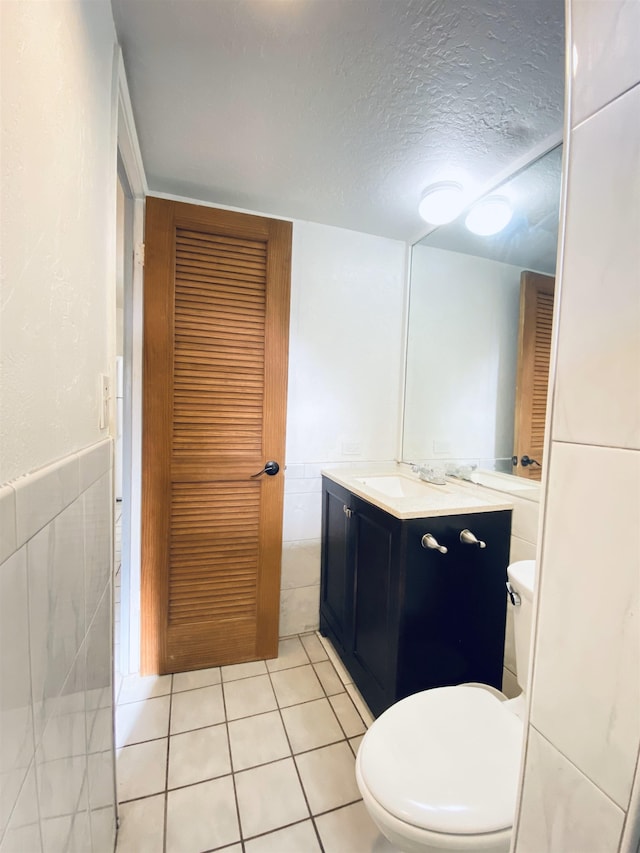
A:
{"x": 271, "y": 468}
{"x": 525, "y": 461}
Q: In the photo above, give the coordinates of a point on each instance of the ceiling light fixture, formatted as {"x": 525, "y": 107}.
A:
{"x": 489, "y": 216}
{"x": 441, "y": 202}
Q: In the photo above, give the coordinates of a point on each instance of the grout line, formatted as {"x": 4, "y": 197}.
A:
{"x": 326, "y": 696}
{"x": 224, "y": 847}
{"x": 326, "y": 642}
{"x": 141, "y": 797}
{"x": 296, "y": 823}
{"x": 139, "y": 742}
{"x": 272, "y": 831}
{"x": 195, "y": 784}
{"x": 166, "y": 776}
{"x": 355, "y": 705}
{"x": 337, "y": 808}
{"x": 295, "y": 763}
{"x": 253, "y": 766}
{"x": 233, "y": 775}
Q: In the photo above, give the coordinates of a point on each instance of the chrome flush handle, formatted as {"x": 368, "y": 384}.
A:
{"x": 467, "y": 538}
{"x": 513, "y": 595}
{"x": 430, "y": 541}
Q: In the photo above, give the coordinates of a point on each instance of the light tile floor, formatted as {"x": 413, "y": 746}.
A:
{"x": 252, "y": 758}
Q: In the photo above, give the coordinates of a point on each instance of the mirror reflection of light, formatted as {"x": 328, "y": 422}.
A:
{"x": 489, "y": 216}
{"x": 574, "y": 58}
{"x": 441, "y": 203}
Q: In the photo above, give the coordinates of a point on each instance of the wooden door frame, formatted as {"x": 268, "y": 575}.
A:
{"x": 131, "y": 159}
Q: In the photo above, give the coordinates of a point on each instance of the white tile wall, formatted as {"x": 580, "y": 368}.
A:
{"x": 16, "y": 714}
{"x": 524, "y": 536}
{"x": 605, "y": 59}
{"x": 597, "y": 396}
{"x": 56, "y": 750}
{"x": 562, "y": 810}
{"x": 8, "y": 539}
{"x": 300, "y": 563}
{"x": 299, "y": 609}
{"x": 587, "y": 675}
{"x": 584, "y": 732}
{"x": 521, "y": 549}
{"x": 630, "y": 842}
{"x": 300, "y": 578}
{"x": 45, "y": 493}
{"x": 301, "y": 515}
{"x": 524, "y": 525}
{"x": 23, "y": 831}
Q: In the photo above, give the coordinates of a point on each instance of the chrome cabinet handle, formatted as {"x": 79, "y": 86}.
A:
{"x": 348, "y": 512}
{"x": 430, "y": 541}
{"x": 271, "y": 468}
{"x": 467, "y": 538}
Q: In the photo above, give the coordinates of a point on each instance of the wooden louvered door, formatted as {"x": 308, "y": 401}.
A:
{"x": 532, "y": 378}
{"x": 216, "y": 323}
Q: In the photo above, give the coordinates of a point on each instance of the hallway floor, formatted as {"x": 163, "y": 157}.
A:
{"x": 253, "y": 758}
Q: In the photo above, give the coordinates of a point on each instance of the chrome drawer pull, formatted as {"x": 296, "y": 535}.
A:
{"x": 467, "y": 538}
{"x": 430, "y": 541}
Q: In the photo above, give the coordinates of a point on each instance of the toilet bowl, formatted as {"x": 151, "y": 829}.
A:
{"x": 438, "y": 771}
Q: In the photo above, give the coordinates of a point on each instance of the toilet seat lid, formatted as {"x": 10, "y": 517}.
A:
{"x": 446, "y": 760}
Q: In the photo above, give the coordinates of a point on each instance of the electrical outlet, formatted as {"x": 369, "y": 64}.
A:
{"x": 104, "y": 399}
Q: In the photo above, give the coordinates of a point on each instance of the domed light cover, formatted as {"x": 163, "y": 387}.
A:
{"x": 489, "y": 216}
{"x": 441, "y": 202}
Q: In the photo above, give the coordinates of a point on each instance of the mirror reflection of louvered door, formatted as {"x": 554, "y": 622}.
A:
{"x": 216, "y": 323}
{"x": 532, "y": 378}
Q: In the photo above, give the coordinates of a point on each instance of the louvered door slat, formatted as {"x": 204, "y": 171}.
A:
{"x": 213, "y": 420}
{"x": 195, "y": 509}
{"x": 534, "y": 352}
{"x": 185, "y": 234}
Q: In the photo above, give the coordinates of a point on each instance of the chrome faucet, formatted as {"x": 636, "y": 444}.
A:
{"x": 429, "y": 475}
{"x": 462, "y": 472}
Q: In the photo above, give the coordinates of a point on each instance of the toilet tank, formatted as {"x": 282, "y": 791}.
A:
{"x": 521, "y": 577}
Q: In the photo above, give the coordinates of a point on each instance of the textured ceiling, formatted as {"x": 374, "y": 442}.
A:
{"x": 339, "y": 111}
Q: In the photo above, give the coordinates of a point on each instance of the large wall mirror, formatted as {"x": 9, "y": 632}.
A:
{"x": 479, "y": 337}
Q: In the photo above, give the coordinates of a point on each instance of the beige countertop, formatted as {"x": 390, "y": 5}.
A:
{"x": 397, "y": 490}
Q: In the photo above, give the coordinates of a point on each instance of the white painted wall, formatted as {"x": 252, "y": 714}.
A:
{"x": 581, "y": 787}
{"x": 57, "y": 304}
{"x": 462, "y": 358}
{"x": 345, "y": 345}
{"x": 345, "y": 383}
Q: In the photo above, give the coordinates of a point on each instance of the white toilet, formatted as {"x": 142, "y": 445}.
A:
{"x": 438, "y": 771}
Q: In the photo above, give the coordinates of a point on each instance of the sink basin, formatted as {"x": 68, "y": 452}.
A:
{"x": 395, "y": 486}
{"x": 408, "y": 497}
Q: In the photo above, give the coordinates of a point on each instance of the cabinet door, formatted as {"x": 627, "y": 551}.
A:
{"x": 336, "y": 583}
{"x": 375, "y": 620}
{"x": 454, "y": 605}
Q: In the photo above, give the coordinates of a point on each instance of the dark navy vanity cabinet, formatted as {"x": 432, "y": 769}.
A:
{"x": 404, "y": 617}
